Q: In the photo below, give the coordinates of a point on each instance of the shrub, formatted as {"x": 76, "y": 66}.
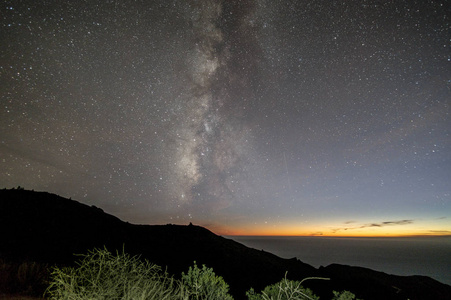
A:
{"x": 32, "y": 277}
{"x": 27, "y": 278}
{"x": 101, "y": 275}
{"x": 284, "y": 290}
{"x": 345, "y": 295}
{"x": 204, "y": 284}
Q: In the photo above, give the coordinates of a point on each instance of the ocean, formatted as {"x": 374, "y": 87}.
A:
{"x": 429, "y": 256}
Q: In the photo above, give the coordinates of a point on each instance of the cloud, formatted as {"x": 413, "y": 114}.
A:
{"x": 318, "y": 233}
{"x": 387, "y": 223}
{"x": 369, "y": 225}
{"x": 400, "y": 222}
{"x": 350, "y": 222}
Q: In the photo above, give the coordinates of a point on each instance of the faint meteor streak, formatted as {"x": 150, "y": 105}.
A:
{"x": 286, "y": 169}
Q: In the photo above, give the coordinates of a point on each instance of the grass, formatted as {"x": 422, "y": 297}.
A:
{"x": 102, "y": 275}
{"x": 285, "y": 290}
{"x": 293, "y": 290}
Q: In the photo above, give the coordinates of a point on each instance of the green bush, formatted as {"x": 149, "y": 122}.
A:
{"x": 345, "y": 295}
{"x": 101, "y": 275}
{"x": 203, "y": 284}
{"x": 284, "y": 290}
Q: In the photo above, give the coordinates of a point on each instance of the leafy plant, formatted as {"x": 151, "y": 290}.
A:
{"x": 204, "y": 284}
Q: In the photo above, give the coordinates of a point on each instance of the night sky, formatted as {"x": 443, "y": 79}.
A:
{"x": 246, "y": 117}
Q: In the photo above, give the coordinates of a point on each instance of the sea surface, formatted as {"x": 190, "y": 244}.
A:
{"x": 429, "y": 256}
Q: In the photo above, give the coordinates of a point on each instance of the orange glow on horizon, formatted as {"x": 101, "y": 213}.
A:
{"x": 388, "y": 231}
{"x": 307, "y": 234}
{"x": 402, "y": 226}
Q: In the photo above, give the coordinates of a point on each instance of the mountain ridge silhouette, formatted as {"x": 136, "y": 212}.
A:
{"x": 44, "y": 227}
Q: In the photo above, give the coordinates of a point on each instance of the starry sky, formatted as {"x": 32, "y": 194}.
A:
{"x": 257, "y": 117}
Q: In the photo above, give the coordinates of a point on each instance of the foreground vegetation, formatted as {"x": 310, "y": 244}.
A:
{"x": 99, "y": 274}
{"x": 26, "y": 278}
{"x": 102, "y": 275}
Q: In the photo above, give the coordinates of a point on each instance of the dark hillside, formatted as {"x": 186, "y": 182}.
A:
{"x": 38, "y": 226}
{"x": 47, "y": 228}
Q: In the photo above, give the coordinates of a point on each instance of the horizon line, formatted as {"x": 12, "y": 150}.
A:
{"x": 340, "y": 236}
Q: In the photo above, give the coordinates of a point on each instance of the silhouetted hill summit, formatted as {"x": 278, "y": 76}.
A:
{"x": 48, "y": 228}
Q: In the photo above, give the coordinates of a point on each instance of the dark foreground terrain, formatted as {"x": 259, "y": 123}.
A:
{"x": 48, "y": 229}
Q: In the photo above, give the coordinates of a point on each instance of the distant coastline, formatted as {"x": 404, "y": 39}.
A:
{"x": 417, "y": 255}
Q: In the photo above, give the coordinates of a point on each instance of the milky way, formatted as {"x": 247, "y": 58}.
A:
{"x": 270, "y": 117}
{"x": 210, "y": 137}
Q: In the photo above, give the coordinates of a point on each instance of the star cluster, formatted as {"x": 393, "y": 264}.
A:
{"x": 248, "y": 117}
